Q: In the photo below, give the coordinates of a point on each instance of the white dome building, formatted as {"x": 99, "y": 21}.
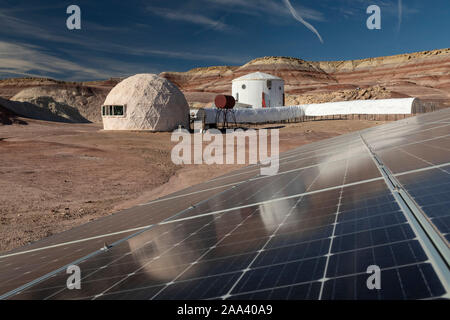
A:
{"x": 145, "y": 102}
{"x": 259, "y": 90}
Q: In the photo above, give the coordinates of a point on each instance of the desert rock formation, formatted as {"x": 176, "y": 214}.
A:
{"x": 8, "y": 117}
{"x": 60, "y": 113}
{"x": 59, "y": 97}
{"x": 77, "y": 104}
{"x": 425, "y": 75}
{"x": 375, "y": 92}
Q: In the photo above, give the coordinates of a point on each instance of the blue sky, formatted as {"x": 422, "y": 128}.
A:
{"x": 120, "y": 38}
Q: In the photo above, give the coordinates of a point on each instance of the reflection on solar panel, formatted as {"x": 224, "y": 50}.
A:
{"x": 376, "y": 197}
{"x": 431, "y": 190}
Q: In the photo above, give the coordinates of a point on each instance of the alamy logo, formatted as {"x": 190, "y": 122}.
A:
{"x": 374, "y": 21}
{"x": 74, "y": 20}
{"x": 220, "y": 151}
{"x": 74, "y": 280}
{"x": 374, "y": 281}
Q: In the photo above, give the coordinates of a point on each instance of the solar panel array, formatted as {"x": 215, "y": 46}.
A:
{"x": 376, "y": 197}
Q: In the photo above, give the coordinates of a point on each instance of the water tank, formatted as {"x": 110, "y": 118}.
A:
{"x": 224, "y": 102}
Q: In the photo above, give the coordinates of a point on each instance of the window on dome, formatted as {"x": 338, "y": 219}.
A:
{"x": 113, "y": 111}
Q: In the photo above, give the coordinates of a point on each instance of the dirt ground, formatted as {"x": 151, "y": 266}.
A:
{"x": 55, "y": 176}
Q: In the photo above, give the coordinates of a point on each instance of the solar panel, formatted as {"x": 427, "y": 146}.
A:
{"x": 431, "y": 190}
{"x": 335, "y": 208}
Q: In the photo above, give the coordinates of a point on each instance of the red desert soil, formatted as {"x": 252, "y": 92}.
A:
{"x": 54, "y": 176}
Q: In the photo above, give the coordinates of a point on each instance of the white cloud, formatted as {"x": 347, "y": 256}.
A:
{"x": 86, "y": 57}
{"x": 299, "y": 18}
{"x": 19, "y": 58}
{"x": 31, "y": 60}
{"x": 190, "y": 17}
{"x": 269, "y": 8}
{"x": 273, "y": 11}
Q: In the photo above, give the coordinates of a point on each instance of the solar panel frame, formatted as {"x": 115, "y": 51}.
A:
{"x": 380, "y": 220}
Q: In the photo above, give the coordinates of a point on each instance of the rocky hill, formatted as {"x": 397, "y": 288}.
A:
{"x": 425, "y": 75}
{"x": 7, "y": 117}
{"x": 75, "y": 103}
{"x": 375, "y": 92}
{"x": 41, "y": 108}
{"x": 12, "y": 86}
{"x": 72, "y": 101}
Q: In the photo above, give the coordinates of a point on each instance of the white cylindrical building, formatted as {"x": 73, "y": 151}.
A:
{"x": 259, "y": 90}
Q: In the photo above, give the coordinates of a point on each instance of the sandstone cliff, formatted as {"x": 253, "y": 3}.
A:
{"x": 75, "y": 102}
{"x": 425, "y": 75}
